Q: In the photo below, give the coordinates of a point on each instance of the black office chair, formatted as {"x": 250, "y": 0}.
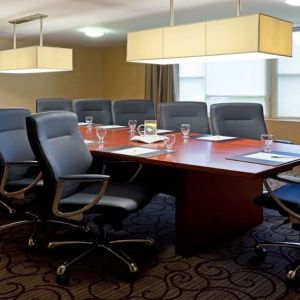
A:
{"x": 19, "y": 170}
{"x": 53, "y": 104}
{"x": 244, "y": 120}
{"x": 99, "y": 109}
{"x": 70, "y": 189}
{"x": 134, "y": 109}
{"x": 286, "y": 200}
{"x": 172, "y": 115}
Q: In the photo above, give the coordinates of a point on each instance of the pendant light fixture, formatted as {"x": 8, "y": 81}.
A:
{"x": 34, "y": 59}
{"x": 243, "y": 37}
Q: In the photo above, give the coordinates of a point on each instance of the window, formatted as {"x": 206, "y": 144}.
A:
{"x": 229, "y": 81}
{"x": 247, "y": 81}
{"x": 288, "y": 82}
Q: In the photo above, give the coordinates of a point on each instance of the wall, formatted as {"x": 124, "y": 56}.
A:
{"x": 85, "y": 81}
{"x": 285, "y": 129}
{"x": 122, "y": 80}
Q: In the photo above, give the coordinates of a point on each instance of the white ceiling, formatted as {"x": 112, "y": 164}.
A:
{"x": 121, "y": 16}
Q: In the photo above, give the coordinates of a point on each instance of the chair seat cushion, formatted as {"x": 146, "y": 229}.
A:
{"x": 119, "y": 199}
{"x": 289, "y": 194}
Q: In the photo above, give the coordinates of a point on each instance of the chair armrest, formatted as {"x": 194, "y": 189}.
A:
{"x": 20, "y": 193}
{"x": 131, "y": 179}
{"x": 27, "y": 163}
{"x": 77, "y": 215}
{"x": 85, "y": 178}
{"x": 283, "y": 141}
{"x": 287, "y": 178}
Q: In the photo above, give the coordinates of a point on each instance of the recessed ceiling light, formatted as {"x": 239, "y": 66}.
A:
{"x": 293, "y": 2}
{"x": 93, "y": 31}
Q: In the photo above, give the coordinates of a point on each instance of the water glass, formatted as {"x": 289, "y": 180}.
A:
{"x": 169, "y": 141}
{"x": 101, "y": 133}
{"x": 132, "y": 125}
{"x": 267, "y": 140}
{"x": 185, "y": 129}
{"x": 89, "y": 120}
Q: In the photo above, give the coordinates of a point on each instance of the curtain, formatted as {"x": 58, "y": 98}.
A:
{"x": 162, "y": 83}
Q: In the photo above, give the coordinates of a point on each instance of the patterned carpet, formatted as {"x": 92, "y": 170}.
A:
{"x": 226, "y": 272}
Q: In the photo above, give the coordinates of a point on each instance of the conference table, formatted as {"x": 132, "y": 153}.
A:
{"x": 214, "y": 194}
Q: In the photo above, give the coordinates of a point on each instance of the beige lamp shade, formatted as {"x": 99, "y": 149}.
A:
{"x": 246, "y": 37}
{"x": 36, "y": 59}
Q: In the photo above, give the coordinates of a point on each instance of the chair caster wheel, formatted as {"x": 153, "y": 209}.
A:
{"x": 31, "y": 243}
{"x": 260, "y": 252}
{"x": 62, "y": 279}
{"x": 291, "y": 275}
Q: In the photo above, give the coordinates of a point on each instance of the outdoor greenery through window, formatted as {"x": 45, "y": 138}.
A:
{"x": 273, "y": 83}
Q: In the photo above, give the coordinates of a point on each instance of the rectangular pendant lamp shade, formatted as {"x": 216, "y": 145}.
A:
{"x": 35, "y": 59}
{"x": 245, "y": 37}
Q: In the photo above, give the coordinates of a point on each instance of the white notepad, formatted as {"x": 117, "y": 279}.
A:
{"x": 111, "y": 126}
{"x": 148, "y": 139}
{"x": 135, "y": 151}
{"x": 216, "y": 138}
{"x": 273, "y": 157}
{"x": 90, "y": 142}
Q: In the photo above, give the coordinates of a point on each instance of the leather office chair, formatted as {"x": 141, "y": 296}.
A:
{"x": 286, "y": 201}
{"x": 70, "y": 189}
{"x": 99, "y": 109}
{"x": 134, "y": 109}
{"x": 18, "y": 167}
{"x": 244, "y": 120}
{"x": 53, "y": 104}
{"x": 172, "y": 115}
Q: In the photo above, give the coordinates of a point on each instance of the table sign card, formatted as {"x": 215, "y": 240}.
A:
{"x": 273, "y": 158}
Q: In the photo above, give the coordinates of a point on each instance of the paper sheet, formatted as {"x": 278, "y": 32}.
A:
{"x": 163, "y": 131}
{"x": 273, "y": 157}
{"x": 148, "y": 139}
{"x": 135, "y": 151}
{"x": 111, "y": 126}
{"x": 216, "y": 138}
{"x": 82, "y": 123}
{"x": 90, "y": 142}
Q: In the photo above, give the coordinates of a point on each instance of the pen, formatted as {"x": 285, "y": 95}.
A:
{"x": 279, "y": 156}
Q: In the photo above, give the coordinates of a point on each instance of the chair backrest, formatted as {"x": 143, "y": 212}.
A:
{"x": 133, "y": 109}
{"x": 172, "y": 115}
{"x": 53, "y": 104}
{"x": 58, "y": 146}
{"x": 14, "y": 145}
{"x": 244, "y": 120}
{"x": 99, "y": 109}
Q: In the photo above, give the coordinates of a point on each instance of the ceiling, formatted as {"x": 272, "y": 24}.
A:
{"x": 122, "y": 16}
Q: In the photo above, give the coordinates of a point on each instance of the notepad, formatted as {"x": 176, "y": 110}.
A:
{"x": 135, "y": 151}
{"x": 215, "y": 138}
{"x": 111, "y": 126}
{"x": 148, "y": 139}
{"x": 88, "y": 142}
{"x": 273, "y": 157}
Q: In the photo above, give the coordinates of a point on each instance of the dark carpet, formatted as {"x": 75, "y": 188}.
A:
{"x": 226, "y": 272}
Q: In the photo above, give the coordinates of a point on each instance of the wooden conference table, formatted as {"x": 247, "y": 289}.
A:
{"x": 214, "y": 195}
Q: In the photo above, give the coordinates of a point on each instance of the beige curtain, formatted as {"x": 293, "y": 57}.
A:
{"x": 162, "y": 83}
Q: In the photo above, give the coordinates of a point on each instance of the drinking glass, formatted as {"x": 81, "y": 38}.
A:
{"x": 89, "y": 120}
{"x": 132, "y": 125}
{"x": 185, "y": 129}
{"x": 101, "y": 133}
{"x": 169, "y": 141}
{"x": 267, "y": 140}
